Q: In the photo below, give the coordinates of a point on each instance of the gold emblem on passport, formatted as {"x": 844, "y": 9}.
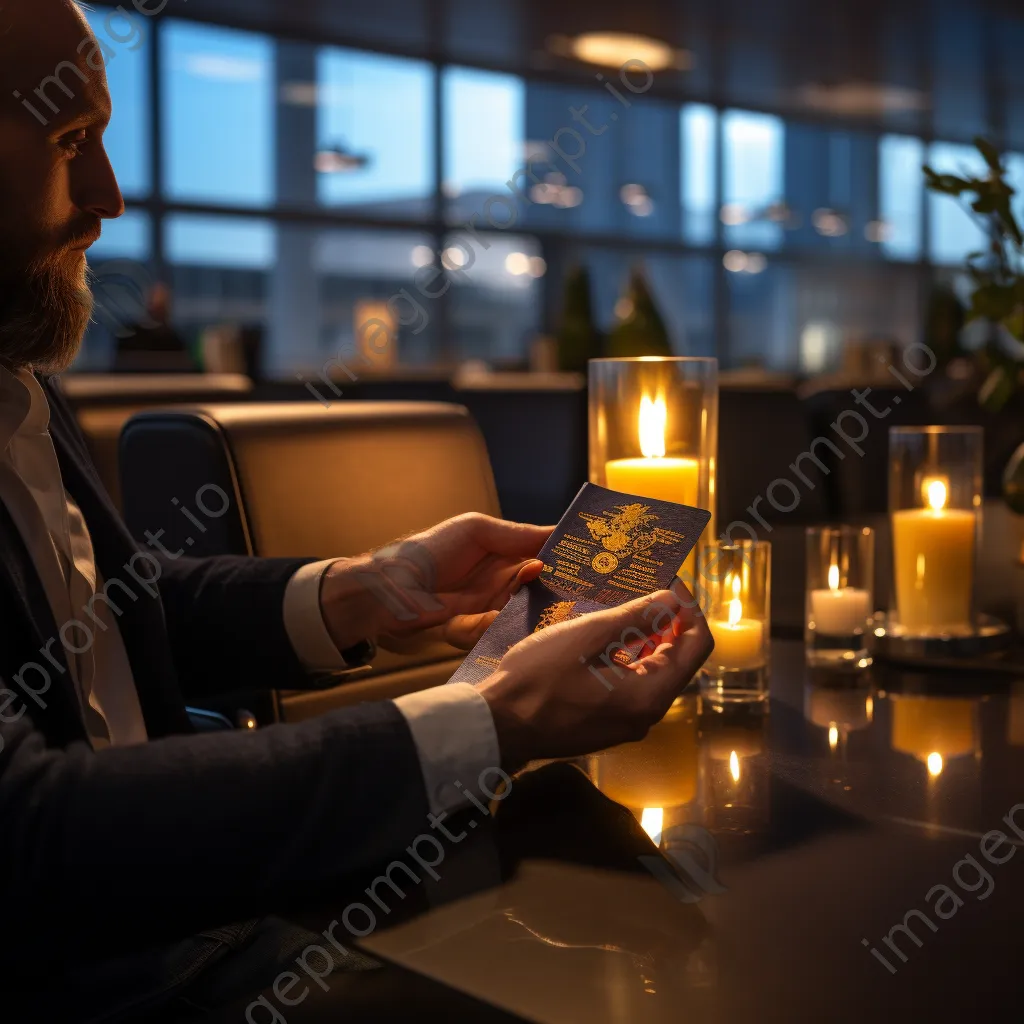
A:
{"x": 604, "y": 562}
{"x": 623, "y": 532}
{"x": 560, "y": 611}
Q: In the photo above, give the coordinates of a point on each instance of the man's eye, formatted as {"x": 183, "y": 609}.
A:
{"x": 74, "y": 141}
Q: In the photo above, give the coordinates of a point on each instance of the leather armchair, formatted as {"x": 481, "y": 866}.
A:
{"x": 301, "y": 480}
{"x": 103, "y": 403}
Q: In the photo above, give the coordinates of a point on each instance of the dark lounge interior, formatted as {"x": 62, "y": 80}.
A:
{"x": 375, "y": 263}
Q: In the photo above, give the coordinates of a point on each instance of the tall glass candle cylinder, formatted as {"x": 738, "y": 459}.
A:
{"x": 654, "y": 430}
{"x": 935, "y": 508}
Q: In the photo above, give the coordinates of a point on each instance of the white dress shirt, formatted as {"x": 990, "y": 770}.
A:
{"x": 451, "y": 725}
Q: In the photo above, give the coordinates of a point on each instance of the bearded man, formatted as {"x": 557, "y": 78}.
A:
{"x": 129, "y": 843}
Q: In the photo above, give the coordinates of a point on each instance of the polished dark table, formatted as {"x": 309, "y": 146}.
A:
{"x": 792, "y": 838}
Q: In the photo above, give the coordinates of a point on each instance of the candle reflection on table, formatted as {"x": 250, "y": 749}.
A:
{"x": 840, "y": 710}
{"x": 734, "y": 769}
{"x": 934, "y": 729}
{"x": 655, "y": 774}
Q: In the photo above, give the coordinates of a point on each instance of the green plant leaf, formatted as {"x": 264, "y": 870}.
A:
{"x": 996, "y": 390}
{"x": 989, "y": 152}
{"x": 994, "y": 301}
{"x": 949, "y": 184}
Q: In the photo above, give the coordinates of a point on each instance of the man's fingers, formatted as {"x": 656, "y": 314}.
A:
{"x": 516, "y": 540}
{"x": 463, "y": 631}
{"x": 626, "y": 625}
{"x": 671, "y": 669}
{"x": 527, "y": 571}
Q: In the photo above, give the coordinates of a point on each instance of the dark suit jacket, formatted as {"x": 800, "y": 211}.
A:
{"x": 101, "y": 851}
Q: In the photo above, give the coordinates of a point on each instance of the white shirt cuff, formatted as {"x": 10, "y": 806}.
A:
{"x": 454, "y": 733}
{"x": 304, "y": 620}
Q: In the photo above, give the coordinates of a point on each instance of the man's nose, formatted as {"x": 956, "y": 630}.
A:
{"x": 97, "y": 191}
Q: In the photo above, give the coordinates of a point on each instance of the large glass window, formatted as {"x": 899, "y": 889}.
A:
{"x": 495, "y": 296}
{"x": 375, "y": 133}
{"x": 277, "y": 129}
{"x": 218, "y": 118}
{"x": 121, "y": 281}
{"x": 484, "y": 124}
{"x": 363, "y": 276}
{"x": 127, "y": 238}
{"x": 900, "y": 187}
{"x": 698, "y": 125}
{"x": 124, "y": 38}
{"x": 798, "y": 317}
{"x": 219, "y": 271}
{"x": 754, "y": 179}
{"x": 593, "y": 164}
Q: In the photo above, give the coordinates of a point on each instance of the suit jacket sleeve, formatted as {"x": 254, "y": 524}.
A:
{"x": 225, "y": 620}
{"x": 132, "y": 845}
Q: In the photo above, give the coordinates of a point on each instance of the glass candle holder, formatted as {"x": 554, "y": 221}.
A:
{"x": 735, "y": 583}
{"x": 935, "y": 506}
{"x": 654, "y": 429}
{"x": 839, "y": 600}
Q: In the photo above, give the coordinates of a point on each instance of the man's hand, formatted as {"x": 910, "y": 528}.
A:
{"x": 447, "y": 583}
{"x": 562, "y": 693}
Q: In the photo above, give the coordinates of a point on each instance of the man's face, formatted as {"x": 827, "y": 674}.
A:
{"x": 56, "y": 183}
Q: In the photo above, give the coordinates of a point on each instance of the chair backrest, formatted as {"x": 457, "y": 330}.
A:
{"x": 301, "y": 480}
{"x": 104, "y": 402}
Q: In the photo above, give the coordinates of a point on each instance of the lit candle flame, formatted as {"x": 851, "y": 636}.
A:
{"x": 833, "y": 577}
{"x": 653, "y": 417}
{"x": 651, "y": 821}
{"x": 734, "y": 766}
{"x": 833, "y": 737}
{"x": 934, "y": 764}
{"x": 735, "y": 605}
{"x": 936, "y": 491}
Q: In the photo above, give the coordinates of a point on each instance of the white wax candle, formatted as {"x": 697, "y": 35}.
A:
{"x": 840, "y": 612}
{"x": 738, "y": 644}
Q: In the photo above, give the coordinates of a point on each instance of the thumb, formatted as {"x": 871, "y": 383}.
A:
{"x": 626, "y": 625}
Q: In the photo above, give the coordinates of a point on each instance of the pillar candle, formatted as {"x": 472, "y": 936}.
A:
{"x": 933, "y": 552}
{"x": 653, "y": 475}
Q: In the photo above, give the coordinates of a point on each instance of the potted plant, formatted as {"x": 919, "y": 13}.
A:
{"x": 996, "y": 273}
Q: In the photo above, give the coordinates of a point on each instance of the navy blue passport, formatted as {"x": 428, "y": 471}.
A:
{"x": 607, "y": 549}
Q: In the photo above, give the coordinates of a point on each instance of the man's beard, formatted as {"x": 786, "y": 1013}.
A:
{"x": 43, "y": 315}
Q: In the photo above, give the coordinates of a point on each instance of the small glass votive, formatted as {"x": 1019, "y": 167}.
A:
{"x": 935, "y": 505}
{"x": 839, "y": 600}
{"x": 735, "y": 581}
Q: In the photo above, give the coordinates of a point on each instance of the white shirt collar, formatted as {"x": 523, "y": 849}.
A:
{"x": 23, "y": 406}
